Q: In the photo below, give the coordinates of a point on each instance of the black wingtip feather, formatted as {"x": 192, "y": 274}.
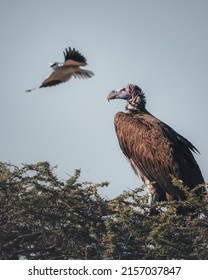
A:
{"x": 74, "y": 54}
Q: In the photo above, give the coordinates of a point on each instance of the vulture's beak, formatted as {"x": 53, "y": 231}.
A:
{"x": 112, "y": 95}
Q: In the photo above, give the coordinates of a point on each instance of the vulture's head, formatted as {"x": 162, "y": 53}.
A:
{"x": 133, "y": 94}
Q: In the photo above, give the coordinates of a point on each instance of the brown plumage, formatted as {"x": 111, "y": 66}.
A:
{"x": 155, "y": 151}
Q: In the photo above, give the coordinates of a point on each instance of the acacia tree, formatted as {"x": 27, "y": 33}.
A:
{"x": 42, "y": 217}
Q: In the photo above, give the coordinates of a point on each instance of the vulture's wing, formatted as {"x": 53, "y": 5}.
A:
{"x": 156, "y": 156}
{"x": 189, "y": 171}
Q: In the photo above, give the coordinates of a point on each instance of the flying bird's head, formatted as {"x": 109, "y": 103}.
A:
{"x": 54, "y": 65}
{"x": 132, "y": 93}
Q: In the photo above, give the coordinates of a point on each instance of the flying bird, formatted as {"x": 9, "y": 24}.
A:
{"x": 62, "y": 72}
{"x": 155, "y": 151}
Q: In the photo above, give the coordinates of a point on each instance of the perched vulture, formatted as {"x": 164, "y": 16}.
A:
{"x": 62, "y": 72}
{"x": 155, "y": 151}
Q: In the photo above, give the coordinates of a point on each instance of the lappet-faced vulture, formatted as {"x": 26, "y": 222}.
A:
{"x": 155, "y": 151}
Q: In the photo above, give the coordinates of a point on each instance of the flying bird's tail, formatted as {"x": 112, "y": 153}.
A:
{"x": 83, "y": 73}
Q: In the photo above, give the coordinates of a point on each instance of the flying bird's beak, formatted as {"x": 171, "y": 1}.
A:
{"x": 112, "y": 95}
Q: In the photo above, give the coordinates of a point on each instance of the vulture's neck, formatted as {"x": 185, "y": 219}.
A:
{"x": 133, "y": 108}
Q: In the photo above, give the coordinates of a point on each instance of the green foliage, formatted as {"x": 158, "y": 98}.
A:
{"x": 44, "y": 218}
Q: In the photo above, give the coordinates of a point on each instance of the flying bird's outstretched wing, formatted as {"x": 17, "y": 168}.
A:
{"x": 55, "y": 78}
{"x": 64, "y": 71}
{"x": 73, "y": 57}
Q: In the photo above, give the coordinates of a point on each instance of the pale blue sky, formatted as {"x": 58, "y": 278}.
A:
{"x": 159, "y": 45}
